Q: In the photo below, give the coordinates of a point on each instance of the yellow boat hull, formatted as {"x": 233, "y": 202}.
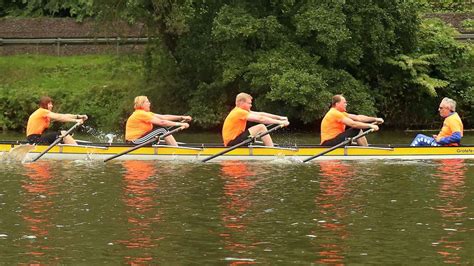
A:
{"x": 162, "y": 152}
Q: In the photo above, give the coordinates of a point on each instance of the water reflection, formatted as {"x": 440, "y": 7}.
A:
{"x": 238, "y": 187}
{"x": 452, "y": 192}
{"x": 37, "y": 209}
{"x": 140, "y": 199}
{"x": 335, "y": 188}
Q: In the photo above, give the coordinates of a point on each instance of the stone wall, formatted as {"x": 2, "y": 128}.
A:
{"x": 455, "y": 19}
{"x": 66, "y": 28}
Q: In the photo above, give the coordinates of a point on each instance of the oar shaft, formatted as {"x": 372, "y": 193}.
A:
{"x": 227, "y": 150}
{"x": 57, "y": 141}
{"x": 144, "y": 144}
{"x": 250, "y": 139}
{"x": 345, "y": 142}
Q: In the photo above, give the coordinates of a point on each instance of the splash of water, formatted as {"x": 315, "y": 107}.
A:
{"x": 102, "y": 136}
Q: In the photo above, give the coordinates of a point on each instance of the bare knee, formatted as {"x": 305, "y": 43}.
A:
{"x": 257, "y": 129}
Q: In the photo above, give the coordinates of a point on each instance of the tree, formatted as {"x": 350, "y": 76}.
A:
{"x": 292, "y": 56}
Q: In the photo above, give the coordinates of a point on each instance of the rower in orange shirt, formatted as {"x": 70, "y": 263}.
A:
{"x": 139, "y": 127}
{"x": 39, "y": 121}
{"x": 234, "y": 130}
{"x": 334, "y": 123}
{"x": 451, "y": 132}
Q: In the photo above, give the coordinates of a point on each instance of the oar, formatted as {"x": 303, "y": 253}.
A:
{"x": 59, "y": 139}
{"x": 144, "y": 143}
{"x": 248, "y": 140}
{"x": 18, "y": 153}
{"x": 345, "y": 142}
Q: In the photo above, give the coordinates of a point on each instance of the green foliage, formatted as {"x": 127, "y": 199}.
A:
{"x": 468, "y": 24}
{"x": 416, "y": 70}
{"x": 439, "y": 67}
{"x": 447, "y": 5}
{"x": 95, "y": 85}
{"x": 454, "y": 64}
{"x": 57, "y": 8}
{"x": 292, "y": 56}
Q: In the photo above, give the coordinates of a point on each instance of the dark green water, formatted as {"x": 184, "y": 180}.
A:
{"x": 146, "y": 212}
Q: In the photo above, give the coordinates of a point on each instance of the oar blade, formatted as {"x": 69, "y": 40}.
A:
{"x": 18, "y": 153}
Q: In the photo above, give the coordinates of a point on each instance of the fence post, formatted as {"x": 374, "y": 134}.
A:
{"x": 58, "y": 46}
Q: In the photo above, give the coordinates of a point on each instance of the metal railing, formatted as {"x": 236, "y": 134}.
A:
{"x": 465, "y": 37}
{"x": 117, "y": 41}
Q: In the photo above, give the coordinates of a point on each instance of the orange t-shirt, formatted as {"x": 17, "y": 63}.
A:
{"x": 234, "y": 124}
{"x": 138, "y": 124}
{"x": 451, "y": 124}
{"x": 332, "y": 125}
{"x": 38, "y": 122}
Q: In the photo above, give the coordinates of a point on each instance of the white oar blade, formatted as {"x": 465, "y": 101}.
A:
{"x": 18, "y": 153}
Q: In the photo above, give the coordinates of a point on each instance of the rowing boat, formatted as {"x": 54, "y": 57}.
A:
{"x": 190, "y": 152}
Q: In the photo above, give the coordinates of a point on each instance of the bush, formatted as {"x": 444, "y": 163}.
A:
{"x": 99, "y": 86}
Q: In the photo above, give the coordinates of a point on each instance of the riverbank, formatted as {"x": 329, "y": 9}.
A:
{"x": 101, "y": 86}
{"x": 98, "y": 85}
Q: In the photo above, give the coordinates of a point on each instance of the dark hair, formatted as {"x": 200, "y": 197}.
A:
{"x": 335, "y": 99}
{"x": 44, "y": 101}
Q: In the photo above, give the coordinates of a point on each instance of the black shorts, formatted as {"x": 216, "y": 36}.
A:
{"x": 157, "y": 131}
{"x": 45, "y": 138}
{"x": 243, "y": 136}
{"x": 349, "y": 133}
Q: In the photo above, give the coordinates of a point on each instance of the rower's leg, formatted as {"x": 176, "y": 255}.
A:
{"x": 362, "y": 141}
{"x": 423, "y": 140}
{"x": 171, "y": 141}
{"x": 267, "y": 140}
{"x": 352, "y": 132}
{"x": 68, "y": 139}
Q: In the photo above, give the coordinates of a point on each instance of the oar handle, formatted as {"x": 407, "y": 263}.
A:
{"x": 157, "y": 137}
{"x": 248, "y": 140}
{"x": 58, "y": 140}
{"x": 345, "y": 142}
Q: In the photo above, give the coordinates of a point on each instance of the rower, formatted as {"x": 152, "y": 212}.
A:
{"x": 333, "y": 125}
{"x": 451, "y": 132}
{"x": 234, "y": 129}
{"x": 39, "y": 121}
{"x": 139, "y": 127}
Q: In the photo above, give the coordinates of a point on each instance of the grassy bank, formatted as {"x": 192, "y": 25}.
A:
{"x": 102, "y": 86}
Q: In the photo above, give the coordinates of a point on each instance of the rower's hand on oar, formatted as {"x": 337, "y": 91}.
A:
{"x": 374, "y": 127}
{"x": 186, "y": 118}
{"x": 379, "y": 120}
{"x": 81, "y": 118}
{"x": 285, "y": 123}
{"x": 182, "y": 125}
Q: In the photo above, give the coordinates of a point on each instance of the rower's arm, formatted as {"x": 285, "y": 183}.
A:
{"x": 174, "y": 117}
{"x": 65, "y": 117}
{"x": 276, "y": 117}
{"x": 357, "y": 124}
{"x": 167, "y": 123}
{"x": 259, "y": 118}
{"x": 366, "y": 119}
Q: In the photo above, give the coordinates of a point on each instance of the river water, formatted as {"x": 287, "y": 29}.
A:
{"x": 234, "y": 212}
